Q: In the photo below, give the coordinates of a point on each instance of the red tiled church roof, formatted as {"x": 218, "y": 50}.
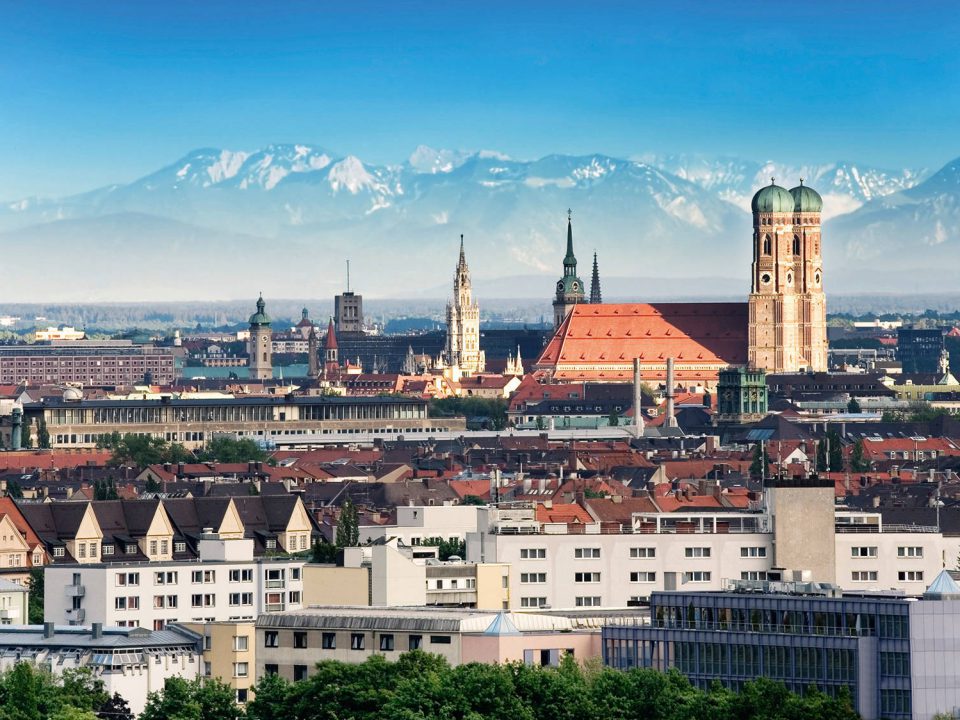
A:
{"x": 599, "y": 342}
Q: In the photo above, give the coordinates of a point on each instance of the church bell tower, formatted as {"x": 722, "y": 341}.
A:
{"x": 569, "y": 287}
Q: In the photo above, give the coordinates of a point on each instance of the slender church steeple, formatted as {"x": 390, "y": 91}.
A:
{"x": 463, "y": 323}
{"x": 569, "y": 287}
{"x": 595, "y": 283}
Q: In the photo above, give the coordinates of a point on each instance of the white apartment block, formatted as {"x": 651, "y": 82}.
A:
{"x": 416, "y": 523}
{"x": 226, "y": 584}
{"x": 586, "y": 565}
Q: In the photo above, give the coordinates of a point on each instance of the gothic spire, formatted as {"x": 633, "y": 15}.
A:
{"x": 463, "y": 258}
{"x": 570, "y": 259}
{"x": 595, "y": 283}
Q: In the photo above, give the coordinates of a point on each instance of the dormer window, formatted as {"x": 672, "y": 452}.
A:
{"x": 58, "y": 552}
{"x": 271, "y": 544}
{"x": 130, "y": 549}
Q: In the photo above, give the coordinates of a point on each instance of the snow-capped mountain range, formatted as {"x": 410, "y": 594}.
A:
{"x": 223, "y": 223}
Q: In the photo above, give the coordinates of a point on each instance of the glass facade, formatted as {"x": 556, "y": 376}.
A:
{"x": 855, "y": 642}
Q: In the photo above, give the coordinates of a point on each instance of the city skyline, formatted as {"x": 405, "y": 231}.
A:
{"x": 103, "y": 93}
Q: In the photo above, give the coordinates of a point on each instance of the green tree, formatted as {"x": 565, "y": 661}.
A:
{"x": 324, "y": 552}
{"x": 447, "y": 548}
{"x": 273, "y": 699}
{"x": 613, "y": 420}
{"x": 493, "y": 409}
{"x": 229, "y": 450}
{"x": 79, "y": 688}
{"x": 761, "y": 461}
{"x": 858, "y": 459}
{"x": 35, "y": 607}
{"x": 853, "y": 406}
{"x": 14, "y": 490}
{"x": 43, "y": 434}
{"x": 833, "y": 445}
{"x": 348, "y": 525}
{"x": 152, "y": 485}
{"x": 26, "y": 434}
{"x": 105, "y": 490}
{"x": 115, "y": 708}
{"x": 176, "y": 701}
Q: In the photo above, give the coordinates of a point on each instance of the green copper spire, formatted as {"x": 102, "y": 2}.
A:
{"x": 260, "y": 317}
{"x": 570, "y": 260}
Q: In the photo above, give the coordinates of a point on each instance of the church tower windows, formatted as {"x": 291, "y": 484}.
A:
{"x": 463, "y": 324}
{"x": 570, "y": 290}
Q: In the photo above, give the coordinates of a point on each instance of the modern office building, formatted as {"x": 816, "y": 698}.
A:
{"x": 79, "y": 423}
{"x": 897, "y": 656}
{"x": 921, "y": 350}
{"x": 92, "y": 363}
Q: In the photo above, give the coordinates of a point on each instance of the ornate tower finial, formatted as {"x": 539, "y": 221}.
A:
{"x": 773, "y": 181}
{"x": 801, "y": 181}
{"x": 595, "y": 298}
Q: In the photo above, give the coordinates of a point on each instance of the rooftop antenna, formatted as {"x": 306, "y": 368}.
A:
{"x": 348, "y": 276}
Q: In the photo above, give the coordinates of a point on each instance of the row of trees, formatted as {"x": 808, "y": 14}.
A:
{"x": 422, "y": 687}
{"x": 829, "y": 458}
{"x": 143, "y": 450}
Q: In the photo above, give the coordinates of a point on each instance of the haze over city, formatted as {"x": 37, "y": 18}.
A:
{"x": 495, "y": 361}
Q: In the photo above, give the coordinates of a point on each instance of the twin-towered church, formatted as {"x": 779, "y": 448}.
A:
{"x": 781, "y": 328}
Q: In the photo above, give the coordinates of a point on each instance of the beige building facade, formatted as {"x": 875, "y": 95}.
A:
{"x": 229, "y": 654}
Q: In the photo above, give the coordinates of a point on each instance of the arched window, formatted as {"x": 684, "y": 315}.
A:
{"x": 796, "y": 244}
{"x": 766, "y": 244}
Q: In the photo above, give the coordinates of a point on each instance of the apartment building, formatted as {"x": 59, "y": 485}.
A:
{"x": 225, "y": 583}
{"x": 130, "y": 661}
{"x": 14, "y": 603}
{"x": 229, "y": 654}
{"x": 100, "y": 363}
{"x": 795, "y": 531}
{"x": 125, "y": 531}
{"x": 290, "y": 644}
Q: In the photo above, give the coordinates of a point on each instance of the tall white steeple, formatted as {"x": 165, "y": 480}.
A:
{"x": 463, "y": 324}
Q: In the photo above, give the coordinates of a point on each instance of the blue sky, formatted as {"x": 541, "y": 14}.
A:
{"x": 100, "y": 92}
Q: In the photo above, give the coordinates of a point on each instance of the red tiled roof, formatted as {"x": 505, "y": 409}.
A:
{"x": 563, "y": 513}
{"x": 477, "y": 488}
{"x": 45, "y": 459}
{"x": 599, "y": 342}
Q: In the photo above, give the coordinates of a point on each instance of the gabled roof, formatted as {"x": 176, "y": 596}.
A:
{"x": 599, "y": 342}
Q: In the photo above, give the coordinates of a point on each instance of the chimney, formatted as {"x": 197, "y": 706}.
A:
{"x": 96, "y": 631}
{"x": 637, "y": 400}
{"x": 671, "y": 418}
{"x": 48, "y": 629}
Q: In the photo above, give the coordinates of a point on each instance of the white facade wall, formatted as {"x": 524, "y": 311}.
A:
{"x": 660, "y": 561}
{"x": 128, "y": 595}
{"x": 416, "y": 523}
{"x": 907, "y": 561}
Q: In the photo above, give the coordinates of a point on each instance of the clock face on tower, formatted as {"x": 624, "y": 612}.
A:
{"x": 576, "y": 285}
{"x": 765, "y": 278}
{"x": 560, "y": 286}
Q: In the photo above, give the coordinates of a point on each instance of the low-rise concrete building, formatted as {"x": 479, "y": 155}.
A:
{"x": 130, "y": 661}
{"x": 14, "y": 603}
{"x": 229, "y": 654}
{"x": 290, "y": 644}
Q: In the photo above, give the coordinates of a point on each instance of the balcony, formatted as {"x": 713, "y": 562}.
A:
{"x": 276, "y": 584}
{"x": 6, "y": 613}
{"x": 73, "y": 591}
{"x": 75, "y": 616}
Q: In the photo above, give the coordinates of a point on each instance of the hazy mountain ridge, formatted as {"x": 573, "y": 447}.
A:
{"x": 305, "y": 208}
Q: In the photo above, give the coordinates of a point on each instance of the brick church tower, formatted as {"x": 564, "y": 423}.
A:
{"x": 788, "y": 321}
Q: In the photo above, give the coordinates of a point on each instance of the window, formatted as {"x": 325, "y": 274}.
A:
{"x": 58, "y": 552}
{"x": 241, "y": 670}
{"x": 271, "y": 669}
{"x": 93, "y": 549}
{"x": 240, "y": 643}
{"x": 533, "y": 553}
{"x": 586, "y": 553}
{"x": 910, "y": 552}
{"x": 440, "y": 640}
{"x": 82, "y": 548}
{"x": 796, "y": 244}
{"x": 241, "y": 575}
{"x": 586, "y": 577}
{"x": 645, "y": 577}
{"x": 153, "y": 547}
{"x": 300, "y": 640}
{"x": 766, "y": 245}
{"x": 294, "y": 596}
{"x": 696, "y": 552}
{"x": 130, "y": 548}
{"x": 171, "y": 601}
{"x": 107, "y": 550}
{"x": 299, "y": 672}
{"x": 753, "y": 552}
{"x": 697, "y": 576}
{"x": 643, "y": 552}
{"x": 532, "y": 602}
{"x": 165, "y": 578}
{"x": 415, "y": 642}
{"x": 179, "y": 546}
{"x": 271, "y": 639}
{"x": 295, "y": 572}
{"x": 588, "y": 601}
{"x": 196, "y": 601}
{"x": 164, "y": 547}
{"x": 753, "y": 575}
{"x": 863, "y": 551}
{"x": 864, "y": 576}
{"x": 910, "y": 575}
{"x": 528, "y": 578}
{"x": 124, "y": 579}
{"x": 356, "y": 641}
{"x": 241, "y": 695}
{"x": 328, "y": 641}
{"x": 120, "y": 603}
{"x": 386, "y": 643}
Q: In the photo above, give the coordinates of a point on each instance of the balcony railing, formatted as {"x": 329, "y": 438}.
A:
{"x": 275, "y": 584}
{"x": 75, "y": 590}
